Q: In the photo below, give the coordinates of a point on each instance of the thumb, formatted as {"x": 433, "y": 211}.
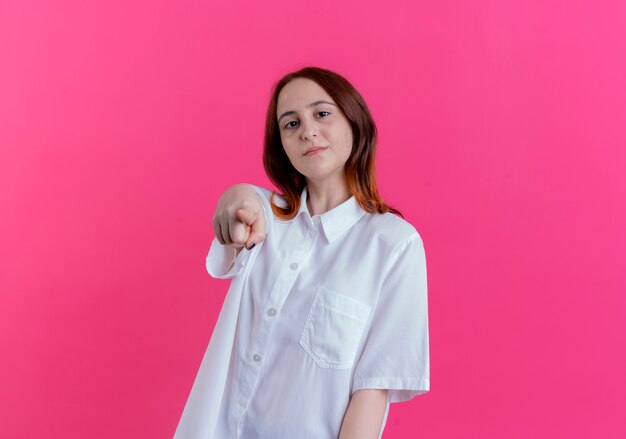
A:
{"x": 245, "y": 216}
{"x": 252, "y": 219}
{"x": 257, "y": 232}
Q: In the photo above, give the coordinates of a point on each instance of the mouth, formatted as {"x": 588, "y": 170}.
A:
{"x": 315, "y": 150}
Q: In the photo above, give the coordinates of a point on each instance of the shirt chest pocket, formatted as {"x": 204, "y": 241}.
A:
{"x": 333, "y": 329}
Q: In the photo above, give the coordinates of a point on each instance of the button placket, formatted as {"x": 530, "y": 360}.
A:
{"x": 279, "y": 294}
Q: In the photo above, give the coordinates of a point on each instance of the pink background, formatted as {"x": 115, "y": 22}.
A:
{"x": 502, "y": 139}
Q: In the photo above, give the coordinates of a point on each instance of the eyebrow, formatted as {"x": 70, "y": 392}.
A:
{"x": 312, "y": 104}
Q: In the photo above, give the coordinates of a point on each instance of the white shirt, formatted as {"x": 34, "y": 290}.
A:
{"x": 325, "y": 306}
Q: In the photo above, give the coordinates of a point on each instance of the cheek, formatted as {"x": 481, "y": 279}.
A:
{"x": 348, "y": 142}
{"x": 284, "y": 142}
{"x": 289, "y": 149}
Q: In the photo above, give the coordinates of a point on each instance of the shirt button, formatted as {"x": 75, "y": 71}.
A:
{"x": 242, "y": 402}
{"x": 311, "y": 234}
{"x": 256, "y": 357}
{"x": 271, "y": 312}
{"x": 293, "y": 266}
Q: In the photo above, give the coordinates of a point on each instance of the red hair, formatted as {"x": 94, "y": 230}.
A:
{"x": 360, "y": 166}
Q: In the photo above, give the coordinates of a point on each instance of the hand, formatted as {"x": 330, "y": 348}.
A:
{"x": 239, "y": 219}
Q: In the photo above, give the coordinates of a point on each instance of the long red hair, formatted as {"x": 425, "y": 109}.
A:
{"x": 360, "y": 170}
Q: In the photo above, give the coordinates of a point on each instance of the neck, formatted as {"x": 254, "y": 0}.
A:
{"x": 325, "y": 195}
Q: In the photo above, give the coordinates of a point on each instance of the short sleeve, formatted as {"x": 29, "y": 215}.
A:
{"x": 395, "y": 353}
{"x": 222, "y": 262}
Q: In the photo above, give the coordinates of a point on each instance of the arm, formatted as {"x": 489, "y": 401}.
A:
{"x": 364, "y": 415}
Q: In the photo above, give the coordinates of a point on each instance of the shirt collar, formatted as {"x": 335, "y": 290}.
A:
{"x": 337, "y": 220}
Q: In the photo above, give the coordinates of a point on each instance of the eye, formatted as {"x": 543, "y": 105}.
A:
{"x": 288, "y": 125}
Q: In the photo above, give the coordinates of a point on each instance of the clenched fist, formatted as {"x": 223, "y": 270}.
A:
{"x": 239, "y": 219}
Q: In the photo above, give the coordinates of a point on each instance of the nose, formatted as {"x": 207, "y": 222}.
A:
{"x": 309, "y": 130}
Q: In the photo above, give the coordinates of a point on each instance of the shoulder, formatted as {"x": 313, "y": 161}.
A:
{"x": 393, "y": 230}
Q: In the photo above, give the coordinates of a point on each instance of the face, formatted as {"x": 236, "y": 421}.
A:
{"x": 308, "y": 118}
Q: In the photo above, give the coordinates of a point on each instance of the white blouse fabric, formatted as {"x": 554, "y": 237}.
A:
{"x": 326, "y": 305}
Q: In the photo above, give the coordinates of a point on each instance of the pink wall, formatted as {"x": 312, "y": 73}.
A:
{"x": 502, "y": 139}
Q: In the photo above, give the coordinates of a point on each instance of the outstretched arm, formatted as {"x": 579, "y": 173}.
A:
{"x": 364, "y": 415}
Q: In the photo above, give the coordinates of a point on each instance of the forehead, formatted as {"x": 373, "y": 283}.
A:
{"x": 298, "y": 93}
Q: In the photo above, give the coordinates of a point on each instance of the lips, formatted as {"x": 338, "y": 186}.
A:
{"x": 313, "y": 149}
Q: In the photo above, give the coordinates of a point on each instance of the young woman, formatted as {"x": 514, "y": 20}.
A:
{"x": 325, "y": 322}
